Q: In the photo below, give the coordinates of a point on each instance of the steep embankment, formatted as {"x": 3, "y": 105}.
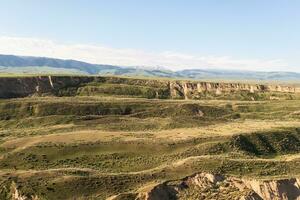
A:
{"x": 14, "y": 87}
{"x": 25, "y": 86}
{"x": 215, "y": 186}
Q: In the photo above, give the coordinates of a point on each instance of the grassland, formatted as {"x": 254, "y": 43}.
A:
{"x": 99, "y": 143}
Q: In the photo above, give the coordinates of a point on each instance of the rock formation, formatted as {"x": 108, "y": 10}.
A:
{"x": 12, "y": 87}
{"x": 214, "y": 186}
{"x": 191, "y": 89}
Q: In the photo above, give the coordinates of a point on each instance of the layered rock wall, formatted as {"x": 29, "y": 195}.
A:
{"x": 13, "y": 87}
{"x": 214, "y": 186}
{"x": 187, "y": 90}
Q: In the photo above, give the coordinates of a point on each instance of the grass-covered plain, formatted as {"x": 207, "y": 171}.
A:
{"x": 100, "y": 143}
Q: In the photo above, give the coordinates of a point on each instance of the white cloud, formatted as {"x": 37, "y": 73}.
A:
{"x": 130, "y": 57}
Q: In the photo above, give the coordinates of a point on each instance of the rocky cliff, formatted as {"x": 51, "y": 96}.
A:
{"x": 215, "y": 186}
{"x": 191, "y": 90}
{"x": 205, "y": 186}
{"x": 25, "y": 86}
{"x": 13, "y": 87}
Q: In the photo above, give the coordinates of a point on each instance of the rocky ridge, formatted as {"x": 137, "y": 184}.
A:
{"x": 14, "y": 87}
{"x": 216, "y": 186}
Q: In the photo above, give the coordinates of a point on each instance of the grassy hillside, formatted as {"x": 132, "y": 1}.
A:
{"x": 109, "y": 139}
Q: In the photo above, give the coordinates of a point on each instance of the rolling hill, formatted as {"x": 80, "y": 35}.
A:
{"x": 11, "y": 64}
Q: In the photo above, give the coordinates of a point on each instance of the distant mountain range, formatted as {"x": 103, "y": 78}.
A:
{"x": 10, "y": 64}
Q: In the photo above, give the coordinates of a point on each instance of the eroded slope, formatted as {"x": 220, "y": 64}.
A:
{"x": 101, "y": 137}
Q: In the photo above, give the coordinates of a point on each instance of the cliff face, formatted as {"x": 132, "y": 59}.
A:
{"x": 51, "y": 85}
{"x": 21, "y": 87}
{"x": 191, "y": 90}
{"x": 26, "y": 86}
{"x": 212, "y": 186}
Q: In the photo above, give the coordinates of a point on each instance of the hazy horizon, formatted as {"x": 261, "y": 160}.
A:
{"x": 253, "y": 36}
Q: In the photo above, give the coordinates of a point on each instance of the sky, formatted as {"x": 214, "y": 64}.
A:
{"x": 261, "y": 35}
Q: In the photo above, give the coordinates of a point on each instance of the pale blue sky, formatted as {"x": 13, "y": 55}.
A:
{"x": 258, "y": 31}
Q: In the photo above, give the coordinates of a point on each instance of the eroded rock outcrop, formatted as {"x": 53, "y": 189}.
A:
{"x": 277, "y": 189}
{"x": 12, "y": 87}
{"x": 214, "y": 186}
{"x": 192, "y": 90}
